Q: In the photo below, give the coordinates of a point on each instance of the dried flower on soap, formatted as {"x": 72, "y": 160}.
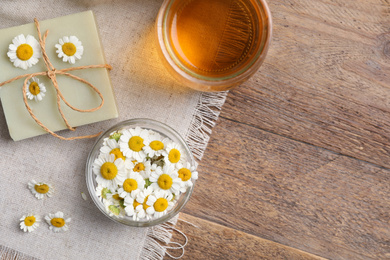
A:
{"x": 57, "y": 222}
{"x": 69, "y": 49}
{"x": 40, "y": 189}
{"x": 35, "y": 89}
{"x": 24, "y": 52}
{"x": 29, "y": 222}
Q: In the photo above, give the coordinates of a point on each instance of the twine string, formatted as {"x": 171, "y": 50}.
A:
{"x": 52, "y": 73}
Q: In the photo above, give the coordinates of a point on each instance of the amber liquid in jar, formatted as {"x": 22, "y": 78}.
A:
{"x": 214, "y": 38}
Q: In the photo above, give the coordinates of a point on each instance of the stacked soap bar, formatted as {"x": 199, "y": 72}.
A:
{"x": 20, "y": 123}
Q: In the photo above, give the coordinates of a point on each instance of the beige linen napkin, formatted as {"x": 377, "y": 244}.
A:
{"x": 143, "y": 88}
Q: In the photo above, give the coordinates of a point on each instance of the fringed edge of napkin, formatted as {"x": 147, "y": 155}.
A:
{"x": 206, "y": 114}
{"x": 8, "y": 253}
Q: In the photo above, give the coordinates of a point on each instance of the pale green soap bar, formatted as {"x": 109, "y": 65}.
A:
{"x": 20, "y": 124}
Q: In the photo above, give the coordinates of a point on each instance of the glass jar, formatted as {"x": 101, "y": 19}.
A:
{"x": 165, "y": 131}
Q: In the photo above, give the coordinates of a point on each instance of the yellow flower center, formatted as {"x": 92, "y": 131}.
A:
{"x": 139, "y": 167}
{"x": 69, "y": 48}
{"x": 34, "y": 88}
{"x": 24, "y": 52}
{"x": 164, "y": 181}
{"x": 43, "y": 188}
{"x": 136, "y": 204}
{"x": 144, "y": 205}
{"x": 129, "y": 185}
{"x": 116, "y": 197}
{"x": 174, "y": 156}
{"x": 118, "y": 154}
{"x": 156, "y": 145}
{"x": 109, "y": 170}
{"x": 29, "y": 221}
{"x": 161, "y": 204}
{"x": 184, "y": 174}
{"x": 57, "y": 222}
{"x": 136, "y": 143}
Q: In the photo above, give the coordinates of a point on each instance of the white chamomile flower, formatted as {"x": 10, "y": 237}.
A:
{"x": 114, "y": 204}
{"x": 159, "y": 202}
{"x": 35, "y": 90}
{"x": 131, "y": 185}
{"x": 142, "y": 198}
{"x": 112, "y": 147}
{"x": 29, "y": 222}
{"x": 175, "y": 154}
{"x": 69, "y": 49}
{"x": 101, "y": 191}
{"x": 132, "y": 142}
{"x": 131, "y": 204}
{"x": 156, "y": 145}
{"x": 142, "y": 167}
{"x": 109, "y": 172}
{"x": 188, "y": 174}
{"x": 57, "y": 222}
{"x": 24, "y": 52}
{"x": 40, "y": 189}
{"x": 166, "y": 179}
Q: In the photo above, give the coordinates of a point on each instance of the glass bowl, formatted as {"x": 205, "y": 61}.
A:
{"x": 165, "y": 131}
{"x": 207, "y": 46}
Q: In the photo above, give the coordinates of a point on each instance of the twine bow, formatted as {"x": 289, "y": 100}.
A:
{"x": 52, "y": 73}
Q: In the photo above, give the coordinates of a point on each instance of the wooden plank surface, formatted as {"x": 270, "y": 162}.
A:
{"x": 300, "y": 153}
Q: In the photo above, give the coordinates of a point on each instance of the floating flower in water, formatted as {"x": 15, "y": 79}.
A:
{"x": 69, "y": 49}
{"x": 40, "y": 189}
{"x": 24, "y": 52}
{"x": 57, "y": 222}
{"x": 29, "y": 222}
{"x": 155, "y": 173}
{"x": 35, "y": 89}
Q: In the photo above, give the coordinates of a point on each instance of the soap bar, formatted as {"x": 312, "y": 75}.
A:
{"x": 20, "y": 123}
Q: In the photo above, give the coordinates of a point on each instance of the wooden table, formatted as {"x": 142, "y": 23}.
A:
{"x": 298, "y": 165}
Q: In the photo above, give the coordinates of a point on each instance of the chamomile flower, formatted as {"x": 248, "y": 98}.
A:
{"x": 24, "y": 52}
{"x": 29, "y": 222}
{"x": 112, "y": 147}
{"x": 156, "y": 145}
{"x": 142, "y": 167}
{"x": 132, "y": 142}
{"x": 142, "y": 198}
{"x": 131, "y": 204}
{"x": 57, "y": 222}
{"x": 131, "y": 185}
{"x": 175, "y": 154}
{"x": 35, "y": 89}
{"x": 109, "y": 172}
{"x": 40, "y": 189}
{"x": 166, "y": 179}
{"x": 101, "y": 191}
{"x": 187, "y": 173}
{"x": 159, "y": 202}
{"x": 69, "y": 49}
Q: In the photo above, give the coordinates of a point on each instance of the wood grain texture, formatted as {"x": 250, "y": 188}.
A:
{"x": 207, "y": 240}
{"x": 326, "y": 79}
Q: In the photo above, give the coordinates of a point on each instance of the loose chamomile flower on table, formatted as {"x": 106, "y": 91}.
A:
{"x": 112, "y": 147}
{"x": 132, "y": 184}
{"x": 109, "y": 172}
{"x": 132, "y": 142}
{"x": 159, "y": 202}
{"x": 187, "y": 173}
{"x": 35, "y": 89}
{"x": 40, "y": 189}
{"x": 156, "y": 145}
{"x": 175, "y": 154}
{"x": 57, "y": 222}
{"x": 24, "y": 52}
{"x": 29, "y": 222}
{"x": 69, "y": 49}
{"x": 142, "y": 198}
{"x": 166, "y": 179}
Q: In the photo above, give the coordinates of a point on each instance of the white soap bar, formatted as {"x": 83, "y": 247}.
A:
{"x": 20, "y": 123}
